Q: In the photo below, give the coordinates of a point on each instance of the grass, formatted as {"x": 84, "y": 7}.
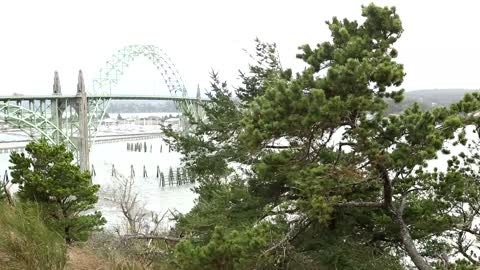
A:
{"x": 130, "y": 254}
{"x": 25, "y": 241}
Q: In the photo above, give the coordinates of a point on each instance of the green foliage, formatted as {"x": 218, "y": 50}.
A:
{"x": 228, "y": 249}
{"x": 27, "y": 241}
{"x": 47, "y": 175}
{"x": 346, "y": 186}
{"x": 360, "y": 57}
{"x": 213, "y": 141}
{"x": 231, "y": 205}
{"x": 331, "y": 253}
{"x": 264, "y": 72}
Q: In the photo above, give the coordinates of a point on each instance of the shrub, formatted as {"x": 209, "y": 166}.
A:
{"x": 47, "y": 175}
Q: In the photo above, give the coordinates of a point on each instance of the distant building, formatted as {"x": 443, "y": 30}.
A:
{"x": 154, "y": 117}
{"x": 172, "y": 121}
{"x": 109, "y": 122}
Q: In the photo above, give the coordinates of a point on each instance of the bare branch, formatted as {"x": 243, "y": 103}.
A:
{"x": 462, "y": 249}
{"x": 150, "y": 237}
{"x": 292, "y": 234}
{"x": 6, "y": 185}
{"x": 359, "y": 204}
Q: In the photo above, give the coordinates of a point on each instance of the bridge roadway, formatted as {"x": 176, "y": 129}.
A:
{"x": 19, "y": 145}
{"x": 13, "y": 107}
{"x": 112, "y": 97}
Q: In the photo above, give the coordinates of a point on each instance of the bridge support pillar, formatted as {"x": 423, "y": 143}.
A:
{"x": 82, "y": 110}
{"x": 57, "y": 107}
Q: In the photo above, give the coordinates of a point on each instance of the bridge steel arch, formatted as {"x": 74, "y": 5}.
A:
{"x": 114, "y": 68}
{"x": 59, "y": 118}
{"x": 31, "y": 121}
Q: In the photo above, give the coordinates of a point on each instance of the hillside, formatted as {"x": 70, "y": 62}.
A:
{"x": 429, "y": 98}
{"x": 141, "y": 106}
{"x": 438, "y": 96}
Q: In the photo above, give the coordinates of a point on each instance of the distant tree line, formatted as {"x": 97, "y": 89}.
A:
{"x": 427, "y": 99}
{"x": 127, "y": 106}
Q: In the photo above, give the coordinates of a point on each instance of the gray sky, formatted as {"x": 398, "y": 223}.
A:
{"x": 440, "y": 45}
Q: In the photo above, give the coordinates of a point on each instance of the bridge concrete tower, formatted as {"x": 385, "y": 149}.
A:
{"x": 57, "y": 107}
{"x": 83, "y": 136}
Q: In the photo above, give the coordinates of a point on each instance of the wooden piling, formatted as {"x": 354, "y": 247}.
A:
{"x": 184, "y": 176}
{"x": 162, "y": 179}
{"x": 179, "y": 177}
{"x": 114, "y": 172}
{"x": 191, "y": 176}
{"x": 132, "y": 171}
{"x": 170, "y": 177}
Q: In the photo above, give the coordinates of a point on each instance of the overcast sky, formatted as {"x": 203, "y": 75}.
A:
{"x": 439, "y": 48}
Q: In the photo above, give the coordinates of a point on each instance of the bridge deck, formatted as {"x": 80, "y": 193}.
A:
{"x": 19, "y": 145}
{"x": 113, "y": 97}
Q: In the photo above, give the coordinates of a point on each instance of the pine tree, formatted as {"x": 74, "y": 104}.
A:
{"x": 47, "y": 175}
{"x": 339, "y": 184}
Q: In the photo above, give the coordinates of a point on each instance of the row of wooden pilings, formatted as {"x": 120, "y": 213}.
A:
{"x": 142, "y": 147}
{"x": 181, "y": 177}
{"x": 12, "y": 149}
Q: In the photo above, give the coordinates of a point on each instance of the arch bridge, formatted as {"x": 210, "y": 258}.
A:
{"x": 74, "y": 119}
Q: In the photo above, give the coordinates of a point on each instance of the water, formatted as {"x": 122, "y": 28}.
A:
{"x": 150, "y": 194}
{"x": 13, "y": 136}
{"x": 155, "y": 198}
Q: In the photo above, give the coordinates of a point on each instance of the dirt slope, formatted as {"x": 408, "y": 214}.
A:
{"x": 81, "y": 259}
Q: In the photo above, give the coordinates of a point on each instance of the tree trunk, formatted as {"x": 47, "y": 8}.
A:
{"x": 409, "y": 245}
{"x": 407, "y": 240}
{"x": 8, "y": 195}
{"x": 68, "y": 237}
